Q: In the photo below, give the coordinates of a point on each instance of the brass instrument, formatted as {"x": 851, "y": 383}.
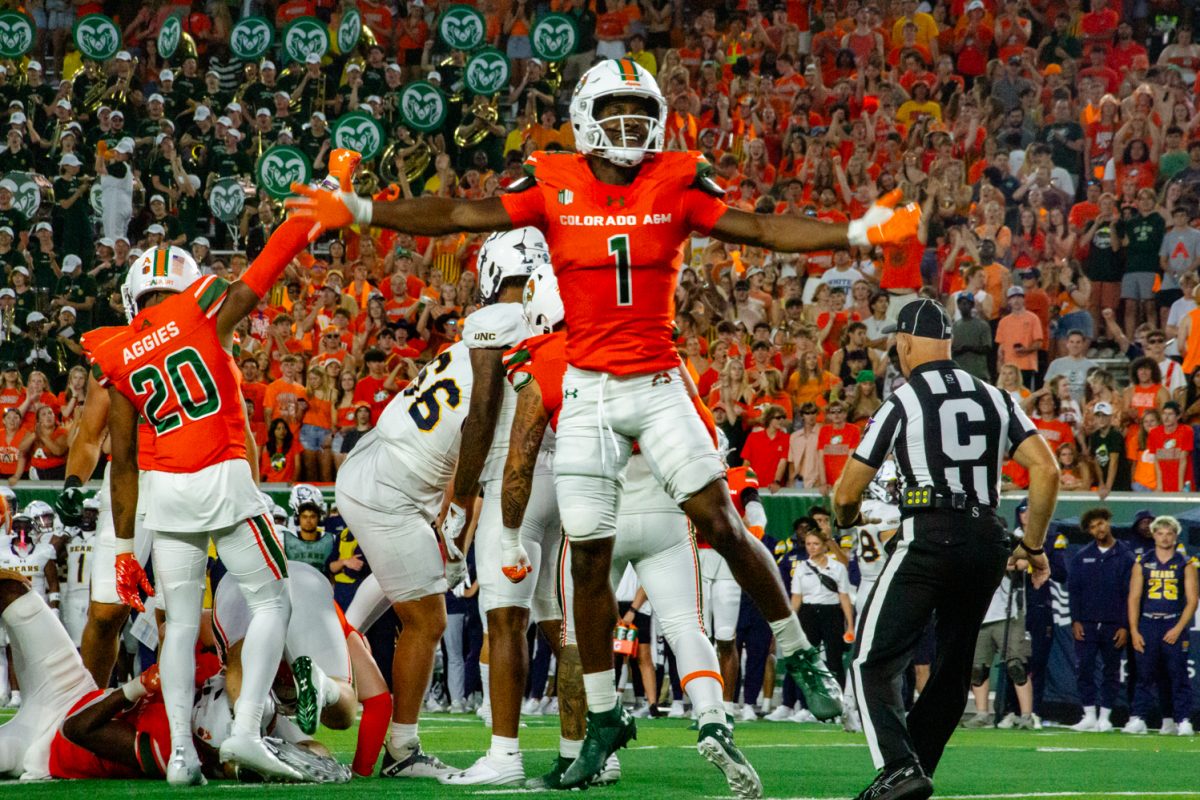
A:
{"x": 296, "y": 97}
{"x": 486, "y": 113}
{"x": 366, "y": 182}
{"x": 56, "y": 139}
{"x": 319, "y": 103}
{"x": 195, "y": 156}
{"x": 554, "y": 75}
{"x": 187, "y": 46}
{"x": 457, "y": 96}
{"x": 97, "y": 87}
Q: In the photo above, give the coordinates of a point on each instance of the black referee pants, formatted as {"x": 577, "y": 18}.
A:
{"x": 945, "y": 562}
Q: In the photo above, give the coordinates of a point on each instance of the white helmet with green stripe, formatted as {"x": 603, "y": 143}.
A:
{"x": 624, "y": 137}
{"x": 159, "y": 269}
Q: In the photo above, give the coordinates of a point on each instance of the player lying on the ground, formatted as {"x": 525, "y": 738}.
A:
{"x": 329, "y": 660}
{"x": 67, "y": 728}
{"x": 652, "y": 534}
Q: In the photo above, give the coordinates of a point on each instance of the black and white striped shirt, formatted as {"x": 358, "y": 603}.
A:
{"x": 949, "y": 431}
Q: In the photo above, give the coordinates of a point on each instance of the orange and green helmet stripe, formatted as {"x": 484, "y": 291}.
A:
{"x": 627, "y": 70}
{"x": 162, "y": 262}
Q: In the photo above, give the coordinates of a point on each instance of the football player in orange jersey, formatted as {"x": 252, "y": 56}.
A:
{"x": 653, "y": 536}
{"x": 616, "y": 216}
{"x": 171, "y": 365}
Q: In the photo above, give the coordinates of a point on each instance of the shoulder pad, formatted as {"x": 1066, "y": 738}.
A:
{"x": 705, "y": 179}
{"x": 497, "y": 325}
{"x": 1060, "y": 542}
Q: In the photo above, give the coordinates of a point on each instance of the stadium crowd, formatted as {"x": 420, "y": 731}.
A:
{"x": 1053, "y": 146}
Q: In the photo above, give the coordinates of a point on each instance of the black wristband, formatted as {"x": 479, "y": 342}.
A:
{"x": 72, "y": 482}
{"x": 1033, "y": 551}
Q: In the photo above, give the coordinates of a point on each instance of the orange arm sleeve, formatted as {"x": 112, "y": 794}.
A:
{"x": 288, "y": 240}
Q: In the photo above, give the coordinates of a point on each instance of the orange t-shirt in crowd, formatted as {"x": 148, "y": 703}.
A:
{"x": 835, "y": 446}
{"x": 1143, "y": 470}
{"x": 318, "y": 413}
{"x": 764, "y": 454}
{"x": 43, "y": 459}
{"x": 1144, "y": 398}
{"x": 902, "y": 266}
{"x": 1179, "y": 443}
{"x": 1023, "y": 329}
{"x": 10, "y": 450}
{"x": 280, "y": 467}
{"x": 1055, "y": 433}
{"x": 278, "y": 387}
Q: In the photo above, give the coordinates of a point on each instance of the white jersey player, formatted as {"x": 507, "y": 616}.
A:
{"x": 46, "y": 525}
{"x": 389, "y": 490}
{"x": 35, "y": 561}
{"x": 80, "y": 546}
{"x": 507, "y": 260}
{"x": 882, "y": 513}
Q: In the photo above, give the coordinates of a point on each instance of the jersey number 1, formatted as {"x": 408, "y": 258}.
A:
{"x": 618, "y": 248}
{"x": 150, "y": 379}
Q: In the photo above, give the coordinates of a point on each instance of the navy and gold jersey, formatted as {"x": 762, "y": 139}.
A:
{"x": 1162, "y": 584}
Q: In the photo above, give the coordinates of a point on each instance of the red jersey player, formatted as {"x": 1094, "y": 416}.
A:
{"x": 616, "y": 216}
{"x": 171, "y": 365}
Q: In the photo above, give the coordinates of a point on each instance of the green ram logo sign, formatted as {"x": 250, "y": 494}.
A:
{"x": 488, "y": 72}
{"x": 16, "y": 34}
{"x": 554, "y": 37}
{"x": 349, "y": 30}
{"x": 227, "y": 199}
{"x": 422, "y": 106}
{"x": 461, "y": 28}
{"x": 280, "y": 167}
{"x": 251, "y": 38}
{"x": 28, "y": 197}
{"x": 170, "y": 35}
{"x": 359, "y": 131}
{"x": 97, "y": 37}
{"x": 304, "y": 37}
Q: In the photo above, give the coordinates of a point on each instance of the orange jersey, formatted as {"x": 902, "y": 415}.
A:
{"x": 617, "y": 251}
{"x": 152, "y": 749}
{"x": 740, "y": 479}
{"x": 544, "y": 359}
{"x": 170, "y": 364}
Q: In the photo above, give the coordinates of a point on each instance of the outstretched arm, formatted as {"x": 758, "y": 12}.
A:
{"x": 421, "y": 216}
{"x": 788, "y": 233}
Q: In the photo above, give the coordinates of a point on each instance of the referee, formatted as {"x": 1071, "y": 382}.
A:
{"x": 950, "y": 434}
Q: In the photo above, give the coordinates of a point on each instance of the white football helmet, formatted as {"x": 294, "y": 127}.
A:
{"x": 90, "y": 517}
{"x": 884, "y": 487}
{"x": 45, "y": 521}
{"x": 543, "y": 304}
{"x": 304, "y": 494}
{"x": 159, "y": 269}
{"x": 511, "y": 254}
{"x": 617, "y": 78}
{"x": 10, "y": 497}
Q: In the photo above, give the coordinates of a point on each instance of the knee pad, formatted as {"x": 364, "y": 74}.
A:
{"x": 270, "y": 597}
{"x": 979, "y": 675}
{"x": 587, "y": 506}
{"x": 1016, "y": 672}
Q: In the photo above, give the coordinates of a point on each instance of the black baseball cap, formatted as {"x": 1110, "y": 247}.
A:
{"x": 924, "y": 318}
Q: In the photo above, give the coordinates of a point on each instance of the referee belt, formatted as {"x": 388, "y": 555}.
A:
{"x": 927, "y": 498}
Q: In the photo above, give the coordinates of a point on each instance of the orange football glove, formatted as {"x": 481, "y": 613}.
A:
{"x": 150, "y": 680}
{"x": 342, "y": 164}
{"x": 514, "y": 560}
{"x": 884, "y": 224}
{"x": 130, "y": 578}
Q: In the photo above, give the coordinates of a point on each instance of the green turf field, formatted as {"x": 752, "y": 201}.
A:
{"x": 795, "y": 761}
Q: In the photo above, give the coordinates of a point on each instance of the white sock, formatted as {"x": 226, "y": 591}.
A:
{"x": 402, "y": 737}
{"x": 730, "y": 709}
{"x": 331, "y": 692}
{"x": 1104, "y": 714}
{"x": 177, "y": 670}
{"x": 3, "y": 671}
{"x": 569, "y": 748}
{"x": 789, "y": 635}
{"x": 504, "y": 747}
{"x": 262, "y": 649}
{"x": 601, "y": 694}
{"x": 484, "y": 673}
{"x": 1089, "y": 711}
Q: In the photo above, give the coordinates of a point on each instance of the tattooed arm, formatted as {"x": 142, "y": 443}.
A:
{"x": 528, "y": 428}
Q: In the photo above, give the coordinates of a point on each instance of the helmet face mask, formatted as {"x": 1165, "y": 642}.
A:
{"x": 618, "y": 113}
{"x": 90, "y": 516}
{"x": 159, "y": 269}
{"x": 542, "y": 304}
